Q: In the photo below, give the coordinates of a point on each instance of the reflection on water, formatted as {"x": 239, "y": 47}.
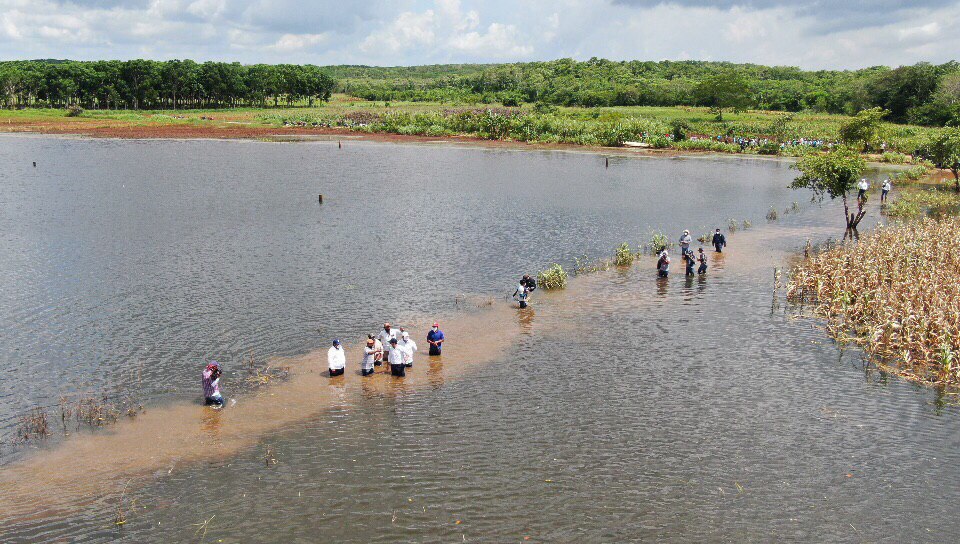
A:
{"x": 622, "y": 408}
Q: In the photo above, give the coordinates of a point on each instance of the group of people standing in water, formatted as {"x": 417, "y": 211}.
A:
{"x": 690, "y": 258}
{"x": 396, "y": 349}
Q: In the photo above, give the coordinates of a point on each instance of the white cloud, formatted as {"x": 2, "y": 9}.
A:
{"x": 499, "y": 41}
{"x": 294, "y": 42}
{"x": 408, "y": 30}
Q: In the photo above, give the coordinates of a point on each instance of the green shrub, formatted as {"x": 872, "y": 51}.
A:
{"x": 554, "y": 277}
{"x": 658, "y": 242}
{"x": 769, "y": 148}
{"x": 624, "y": 256}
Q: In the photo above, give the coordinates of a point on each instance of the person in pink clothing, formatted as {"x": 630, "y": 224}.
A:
{"x": 211, "y": 385}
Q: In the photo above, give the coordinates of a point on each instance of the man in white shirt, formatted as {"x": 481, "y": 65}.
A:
{"x": 862, "y": 187}
{"x": 366, "y": 366}
{"x": 385, "y": 336}
{"x": 885, "y": 190}
{"x": 398, "y": 366}
{"x": 336, "y": 359}
{"x": 409, "y": 347}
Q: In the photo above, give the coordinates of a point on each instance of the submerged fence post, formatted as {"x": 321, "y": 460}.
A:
{"x": 320, "y": 199}
{"x": 339, "y": 144}
{"x": 607, "y": 162}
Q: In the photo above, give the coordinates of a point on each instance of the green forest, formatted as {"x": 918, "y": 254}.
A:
{"x": 923, "y": 94}
{"x": 146, "y": 84}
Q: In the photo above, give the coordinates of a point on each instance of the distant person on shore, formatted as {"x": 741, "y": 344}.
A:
{"x": 385, "y": 336}
{"x": 211, "y": 385}
{"x": 377, "y": 350}
{"x": 409, "y": 347}
{"x": 685, "y": 241}
{"x": 369, "y": 353}
{"x": 435, "y": 339}
{"x": 885, "y": 190}
{"x": 719, "y": 241}
{"x": 398, "y": 366}
{"x": 336, "y": 359}
{"x": 702, "y": 257}
{"x": 862, "y": 187}
{"x": 663, "y": 264}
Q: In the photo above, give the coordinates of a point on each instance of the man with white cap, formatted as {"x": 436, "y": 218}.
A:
{"x": 408, "y": 346}
{"x": 862, "y": 188}
{"x": 685, "y": 241}
{"x": 336, "y": 359}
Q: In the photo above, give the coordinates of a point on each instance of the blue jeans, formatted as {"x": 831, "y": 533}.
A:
{"x": 213, "y": 401}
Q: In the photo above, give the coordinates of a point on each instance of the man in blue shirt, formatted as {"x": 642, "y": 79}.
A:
{"x": 435, "y": 339}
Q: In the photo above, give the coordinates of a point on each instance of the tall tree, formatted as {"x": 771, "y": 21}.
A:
{"x": 724, "y": 91}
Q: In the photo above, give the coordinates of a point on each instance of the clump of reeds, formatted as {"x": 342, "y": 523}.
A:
{"x": 623, "y": 255}
{"x": 895, "y": 293}
{"x": 33, "y": 424}
{"x": 96, "y": 412}
{"x": 747, "y": 224}
{"x": 732, "y": 225}
{"x": 772, "y": 215}
{"x": 268, "y": 456}
{"x": 554, "y": 277}
{"x": 583, "y": 265}
{"x": 262, "y": 374}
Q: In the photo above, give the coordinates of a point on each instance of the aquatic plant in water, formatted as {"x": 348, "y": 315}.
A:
{"x": 658, "y": 242}
{"x": 895, "y": 293}
{"x": 623, "y": 256}
{"x": 554, "y": 277}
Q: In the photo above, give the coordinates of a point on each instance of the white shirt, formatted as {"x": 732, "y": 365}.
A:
{"x": 397, "y": 357}
{"x": 336, "y": 358}
{"x": 409, "y": 347}
{"x": 367, "y": 362}
{"x": 886, "y": 185}
{"x": 385, "y": 337}
{"x": 863, "y": 185}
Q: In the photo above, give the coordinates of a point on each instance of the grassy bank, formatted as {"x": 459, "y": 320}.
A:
{"x": 601, "y": 126}
{"x": 894, "y": 293}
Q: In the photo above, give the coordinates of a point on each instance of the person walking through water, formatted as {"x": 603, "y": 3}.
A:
{"x": 702, "y": 258}
{"x": 398, "y": 366}
{"x": 435, "y": 339}
{"x": 336, "y": 359}
{"x": 862, "y": 187}
{"x": 369, "y": 354}
{"x": 885, "y": 190}
{"x": 528, "y": 282}
{"x": 211, "y": 385}
{"x": 663, "y": 264}
{"x": 409, "y": 347}
{"x": 688, "y": 259}
{"x": 685, "y": 241}
{"x": 719, "y": 241}
{"x": 377, "y": 350}
{"x": 521, "y": 294}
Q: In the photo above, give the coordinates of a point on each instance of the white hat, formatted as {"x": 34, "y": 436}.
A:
{"x": 406, "y": 334}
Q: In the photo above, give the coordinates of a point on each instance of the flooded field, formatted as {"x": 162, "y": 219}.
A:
{"x": 620, "y": 409}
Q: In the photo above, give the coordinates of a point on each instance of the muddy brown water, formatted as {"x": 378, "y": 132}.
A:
{"x": 623, "y": 408}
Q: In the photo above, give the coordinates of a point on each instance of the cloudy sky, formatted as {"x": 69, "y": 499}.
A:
{"x": 807, "y": 33}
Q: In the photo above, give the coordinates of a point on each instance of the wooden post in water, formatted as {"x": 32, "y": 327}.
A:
{"x": 339, "y": 144}
{"x": 607, "y": 162}
{"x": 320, "y": 199}
{"x": 34, "y": 164}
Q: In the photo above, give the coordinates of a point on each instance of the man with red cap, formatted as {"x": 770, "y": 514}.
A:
{"x": 435, "y": 339}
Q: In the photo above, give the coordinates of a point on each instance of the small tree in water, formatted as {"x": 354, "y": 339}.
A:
{"x": 833, "y": 174}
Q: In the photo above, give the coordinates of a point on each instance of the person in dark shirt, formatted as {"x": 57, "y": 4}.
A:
{"x": 435, "y": 339}
{"x": 719, "y": 241}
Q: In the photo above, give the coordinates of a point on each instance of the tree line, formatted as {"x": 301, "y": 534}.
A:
{"x": 923, "y": 93}
{"x": 147, "y": 84}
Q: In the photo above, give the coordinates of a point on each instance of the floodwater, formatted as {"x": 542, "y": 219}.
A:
{"x": 623, "y": 408}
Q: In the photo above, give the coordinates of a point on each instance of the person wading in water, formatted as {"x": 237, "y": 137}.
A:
{"x": 719, "y": 241}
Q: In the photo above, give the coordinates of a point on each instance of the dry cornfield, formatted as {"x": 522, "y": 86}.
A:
{"x": 895, "y": 293}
